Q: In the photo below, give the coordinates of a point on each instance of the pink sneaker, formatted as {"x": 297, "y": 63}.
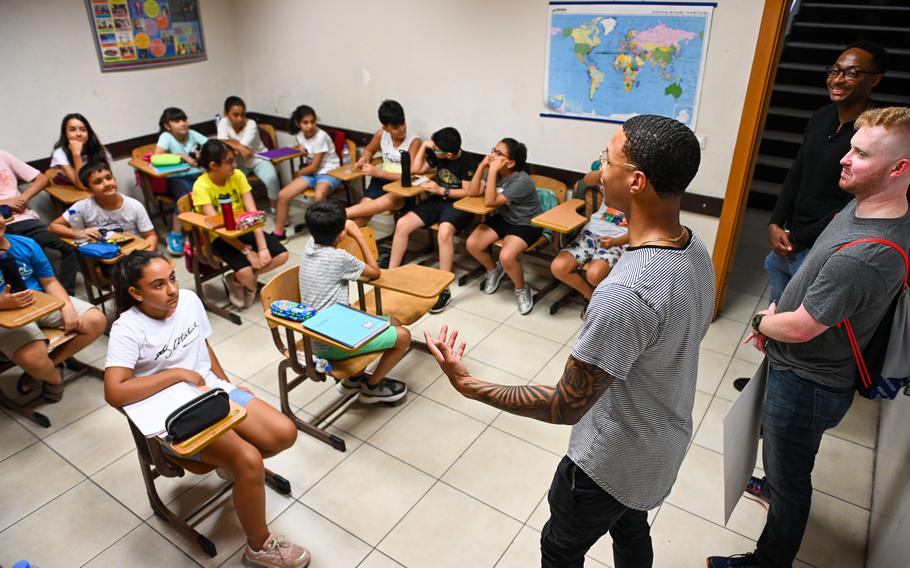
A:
{"x": 276, "y": 553}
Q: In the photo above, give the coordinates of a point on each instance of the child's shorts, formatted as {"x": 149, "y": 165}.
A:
{"x": 382, "y": 342}
{"x": 437, "y": 209}
{"x": 235, "y": 259}
{"x": 528, "y": 233}
{"x": 586, "y": 247}
{"x": 11, "y": 340}
{"x": 317, "y": 178}
{"x": 374, "y": 189}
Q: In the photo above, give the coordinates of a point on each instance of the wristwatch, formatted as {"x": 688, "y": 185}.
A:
{"x": 756, "y": 322}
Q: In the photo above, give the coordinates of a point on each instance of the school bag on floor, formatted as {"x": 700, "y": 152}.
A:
{"x": 883, "y": 366}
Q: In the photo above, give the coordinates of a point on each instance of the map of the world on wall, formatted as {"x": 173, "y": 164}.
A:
{"x": 611, "y": 61}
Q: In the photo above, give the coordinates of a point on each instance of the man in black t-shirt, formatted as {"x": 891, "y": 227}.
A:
{"x": 454, "y": 170}
{"x": 810, "y": 196}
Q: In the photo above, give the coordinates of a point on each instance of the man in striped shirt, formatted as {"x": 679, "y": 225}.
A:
{"x": 640, "y": 340}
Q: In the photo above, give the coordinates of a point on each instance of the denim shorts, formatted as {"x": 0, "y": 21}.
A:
{"x": 314, "y": 179}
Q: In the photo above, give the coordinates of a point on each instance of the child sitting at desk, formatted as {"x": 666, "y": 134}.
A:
{"x": 391, "y": 139}
{"x": 106, "y": 210}
{"x": 454, "y": 170}
{"x": 24, "y": 222}
{"x": 321, "y": 158}
{"x": 177, "y": 138}
{"x": 601, "y": 242}
{"x": 26, "y": 346}
{"x": 160, "y": 338}
{"x": 78, "y": 145}
{"x": 325, "y": 271}
{"x": 509, "y": 188}
{"x": 242, "y": 135}
{"x": 251, "y": 254}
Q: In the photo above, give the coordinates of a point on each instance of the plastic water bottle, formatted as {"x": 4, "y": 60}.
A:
{"x": 322, "y": 365}
{"x": 405, "y": 168}
{"x": 10, "y": 271}
{"x": 345, "y": 155}
{"x": 217, "y": 120}
{"x": 227, "y": 211}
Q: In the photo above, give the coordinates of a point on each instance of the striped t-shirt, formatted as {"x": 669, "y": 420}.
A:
{"x": 644, "y": 324}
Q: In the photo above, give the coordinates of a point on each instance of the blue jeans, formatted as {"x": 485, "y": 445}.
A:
{"x": 797, "y": 412}
{"x": 781, "y": 269}
{"x": 580, "y": 513}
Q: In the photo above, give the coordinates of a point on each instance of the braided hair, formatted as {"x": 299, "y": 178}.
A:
{"x": 664, "y": 149}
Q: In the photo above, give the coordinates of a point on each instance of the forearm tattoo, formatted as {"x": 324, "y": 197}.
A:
{"x": 578, "y": 389}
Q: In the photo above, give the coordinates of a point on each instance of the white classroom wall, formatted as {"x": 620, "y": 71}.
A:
{"x": 477, "y": 65}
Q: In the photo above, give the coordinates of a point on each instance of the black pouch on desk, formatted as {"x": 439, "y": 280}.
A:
{"x": 197, "y": 415}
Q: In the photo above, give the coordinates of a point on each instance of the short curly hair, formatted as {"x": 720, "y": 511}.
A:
{"x": 665, "y": 150}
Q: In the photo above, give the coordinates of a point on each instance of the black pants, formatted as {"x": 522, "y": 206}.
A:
{"x": 580, "y": 513}
{"x": 37, "y": 230}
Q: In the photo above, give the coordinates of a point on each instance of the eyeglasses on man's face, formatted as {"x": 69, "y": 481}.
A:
{"x": 849, "y": 73}
{"x": 605, "y": 161}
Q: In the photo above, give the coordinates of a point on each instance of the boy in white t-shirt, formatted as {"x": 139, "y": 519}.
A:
{"x": 107, "y": 210}
{"x": 319, "y": 157}
{"x": 600, "y": 243}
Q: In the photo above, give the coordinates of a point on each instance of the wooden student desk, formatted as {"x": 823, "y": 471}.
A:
{"x": 396, "y": 187}
{"x": 473, "y": 205}
{"x": 43, "y": 305}
{"x": 347, "y": 173}
{"x": 281, "y": 159}
{"x": 97, "y": 279}
{"x": 200, "y": 441}
{"x": 563, "y": 218}
{"x": 412, "y": 279}
{"x": 215, "y": 223}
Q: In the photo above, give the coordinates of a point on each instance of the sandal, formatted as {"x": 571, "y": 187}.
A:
{"x": 51, "y": 393}
{"x": 26, "y": 384}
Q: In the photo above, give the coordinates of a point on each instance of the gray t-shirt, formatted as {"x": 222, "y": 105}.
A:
{"x": 324, "y": 275}
{"x": 130, "y": 217}
{"x": 523, "y": 204}
{"x": 644, "y": 325}
{"x": 857, "y": 283}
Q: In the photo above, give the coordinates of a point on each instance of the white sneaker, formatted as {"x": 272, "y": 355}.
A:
{"x": 525, "y": 300}
{"x": 349, "y": 385}
{"x": 386, "y": 390}
{"x": 492, "y": 279}
{"x": 276, "y": 553}
{"x": 236, "y": 291}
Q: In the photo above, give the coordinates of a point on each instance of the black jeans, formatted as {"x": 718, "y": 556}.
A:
{"x": 580, "y": 513}
{"x": 37, "y": 230}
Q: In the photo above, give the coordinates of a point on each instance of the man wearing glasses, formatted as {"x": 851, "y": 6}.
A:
{"x": 810, "y": 197}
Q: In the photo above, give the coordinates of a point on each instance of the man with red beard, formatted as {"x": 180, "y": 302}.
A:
{"x": 812, "y": 370}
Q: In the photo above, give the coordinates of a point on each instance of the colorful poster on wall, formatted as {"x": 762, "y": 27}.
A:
{"x": 130, "y": 34}
{"x": 609, "y": 61}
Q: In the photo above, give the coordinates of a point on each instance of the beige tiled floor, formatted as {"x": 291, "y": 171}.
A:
{"x": 436, "y": 481}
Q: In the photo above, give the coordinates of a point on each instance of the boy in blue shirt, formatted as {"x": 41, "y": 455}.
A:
{"x": 26, "y": 346}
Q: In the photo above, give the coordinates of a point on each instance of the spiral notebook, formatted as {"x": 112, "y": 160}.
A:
{"x": 345, "y": 325}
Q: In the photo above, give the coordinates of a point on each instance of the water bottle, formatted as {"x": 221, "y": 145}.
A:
{"x": 322, "y": 365}
{"x": 217, "y": 120}
{"x": 345, "y": 155}
{"x": 405, "y": 168}
{"x": 10, "y": 271}
{"x": 227, "y": 211}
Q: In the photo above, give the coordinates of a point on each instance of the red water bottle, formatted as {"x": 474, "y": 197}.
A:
{"x": 227, "y": 211}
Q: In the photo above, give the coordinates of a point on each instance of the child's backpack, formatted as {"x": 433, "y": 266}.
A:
{"x": 883, "y": 366}
{"x": 340, "y": 142}
{"x": 548, "y": 200}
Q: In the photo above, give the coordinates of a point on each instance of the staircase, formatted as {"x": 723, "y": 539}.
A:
{"x": 819, "y": 32}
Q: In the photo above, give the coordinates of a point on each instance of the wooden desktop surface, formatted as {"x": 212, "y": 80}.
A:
{"x": 214, "y": 223}
{"x": 563, "y": 218}
{"x": 66, "y": 194}
{"x": 149, "y": 169}
{"x": 473, "y": 205}
{"x": 415, "y": 189}
{"x": 298, "y": 327}
{"x": 44, "y": 304}
{"x": 347, "y": 172}
{"x": 413, "y": 279}
{"x": 197, "y": 443}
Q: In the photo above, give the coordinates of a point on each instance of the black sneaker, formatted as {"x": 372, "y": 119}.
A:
{"x": 747, "y": 560}
{"x": 387, "y": 390}
{"x": 385, "y": 255}
{"x": 444, "y": 300}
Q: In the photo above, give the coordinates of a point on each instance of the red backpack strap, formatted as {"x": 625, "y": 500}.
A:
{"x": 854, "y": 344}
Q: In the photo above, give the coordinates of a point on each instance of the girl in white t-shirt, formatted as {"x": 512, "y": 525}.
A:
{"x": 160, "y": 339}
{"x": 319, "y": 157}
{"x": 242, "y": 135}
{"x": 78, "y": 145}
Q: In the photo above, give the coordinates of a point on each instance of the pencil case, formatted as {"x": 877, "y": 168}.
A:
{"x": 165, "y": 159}
{"x": 99, "y": 250}
{"x": 250, "y": 219}
{"x": 294, "y": 311}
{"x": 197, "y": 415}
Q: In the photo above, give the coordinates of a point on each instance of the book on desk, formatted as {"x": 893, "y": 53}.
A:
{"x": 172, "y": 169}
{"x": 278, "y": 153}
{"x": 149, "y": 414}
{"x": 346, "y": 326}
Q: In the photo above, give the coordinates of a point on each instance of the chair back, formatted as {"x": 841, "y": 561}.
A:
{"x": 554, "y": 185}
{"x": 200, "y": 239}
{"x": 352, "y": 247}
{"x": 268, "y": 136}
{"x": 282, "y": 286}
{"x": 352, "y": 149}
{"x": 137, "y": 153}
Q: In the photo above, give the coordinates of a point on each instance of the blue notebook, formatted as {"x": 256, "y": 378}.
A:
{"x": 345, "y": 325}
{"x": 172, "y": 169}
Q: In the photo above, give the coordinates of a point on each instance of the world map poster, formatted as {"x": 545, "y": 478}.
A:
{"x": 611, "y": 61}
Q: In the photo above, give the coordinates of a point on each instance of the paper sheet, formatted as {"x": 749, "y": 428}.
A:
{"x": 149, "y": 414}
{"x": 742, "y": 426}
